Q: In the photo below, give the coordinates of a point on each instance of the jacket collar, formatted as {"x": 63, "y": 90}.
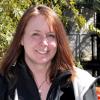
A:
{"x": 26, "y": 78}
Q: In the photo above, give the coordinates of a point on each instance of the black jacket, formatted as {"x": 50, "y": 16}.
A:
{"x": 61, "y": 88}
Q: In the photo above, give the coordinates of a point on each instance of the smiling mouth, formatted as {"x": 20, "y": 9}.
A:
{"x": 42, "y": 51}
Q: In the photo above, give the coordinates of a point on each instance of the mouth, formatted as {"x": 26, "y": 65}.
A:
{"x": 42, "y": 52}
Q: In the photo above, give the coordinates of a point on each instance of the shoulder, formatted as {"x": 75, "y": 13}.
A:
{"x": 82, "y": 82}
{"x": 84, "y": 76}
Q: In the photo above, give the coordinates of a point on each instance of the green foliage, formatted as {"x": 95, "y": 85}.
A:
{"x": 78, "y": 19}
{"x": 92, "y": 28}
{"x": 10, "y": 13}
{"x": 3, "y": 44}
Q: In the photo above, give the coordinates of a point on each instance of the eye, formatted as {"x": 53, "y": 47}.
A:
{"x": 35, "y": 34}
{"x": 51, "y": 35}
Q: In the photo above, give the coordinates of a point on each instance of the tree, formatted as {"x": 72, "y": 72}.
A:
{"x": 10, "y": 13}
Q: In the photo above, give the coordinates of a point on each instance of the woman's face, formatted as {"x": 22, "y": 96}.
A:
{"x": 39, "y": 41}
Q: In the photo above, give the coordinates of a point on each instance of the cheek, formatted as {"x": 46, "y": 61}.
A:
{"x": 53, "y": 45}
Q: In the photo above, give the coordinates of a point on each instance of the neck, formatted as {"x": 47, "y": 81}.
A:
{"x": 41, "y": 77}
{"x": 37, "y": 67}
{"x": 38, "y": 70}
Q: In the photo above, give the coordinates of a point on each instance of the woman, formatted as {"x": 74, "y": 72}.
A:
{"x": 39, "y": 64}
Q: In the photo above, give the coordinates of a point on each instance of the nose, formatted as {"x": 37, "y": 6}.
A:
{"x": 45, "y": 42}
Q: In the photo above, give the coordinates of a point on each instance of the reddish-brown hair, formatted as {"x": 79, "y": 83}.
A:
{"x": 63, "y": 59}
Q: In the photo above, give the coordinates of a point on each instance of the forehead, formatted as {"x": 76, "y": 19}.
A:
{"x": 38, "y": 22}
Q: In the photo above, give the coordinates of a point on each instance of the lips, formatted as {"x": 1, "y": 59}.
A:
{"x": 41, "y": 52}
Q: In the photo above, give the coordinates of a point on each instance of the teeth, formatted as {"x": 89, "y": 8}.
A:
{"x": 42, "y": 52}
{"x": 45, "y": 49}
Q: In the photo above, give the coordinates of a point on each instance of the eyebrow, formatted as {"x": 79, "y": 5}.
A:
{"x": 47, "y": 32}
{"x": 37, "y": 30}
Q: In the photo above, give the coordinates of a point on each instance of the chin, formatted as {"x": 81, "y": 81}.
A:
{"x": 44, "y": 61}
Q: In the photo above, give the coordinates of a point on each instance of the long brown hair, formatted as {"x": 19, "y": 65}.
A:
{"x": 63, "y": 59}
